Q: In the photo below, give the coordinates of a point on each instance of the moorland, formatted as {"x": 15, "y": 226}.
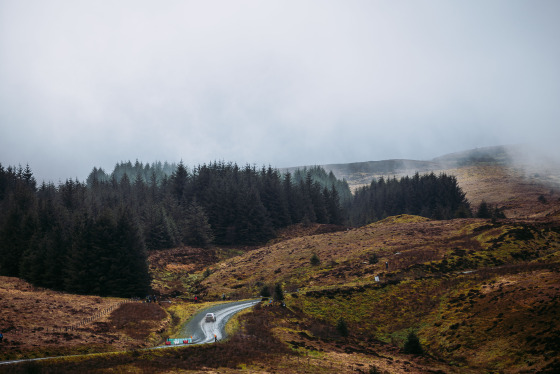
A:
{"x": 403, "y": 294}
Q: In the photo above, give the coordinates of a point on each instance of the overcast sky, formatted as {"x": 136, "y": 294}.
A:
{"x": 281, "y": 83}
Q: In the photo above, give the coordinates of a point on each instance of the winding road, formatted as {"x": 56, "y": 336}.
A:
{"x": 202, "y": 332}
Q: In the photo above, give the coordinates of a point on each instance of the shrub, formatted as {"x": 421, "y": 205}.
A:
{"x": 342, "y": 327}
{"x": 315, "y": 260}
{"x": 412, "y": 344}
{"x": 483, "y": 210}
{"x": 265, "y": 291}
{"x": 278, "y": 292}
{"x": 373, "y": 259}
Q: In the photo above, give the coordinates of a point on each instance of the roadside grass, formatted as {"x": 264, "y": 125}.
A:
{"x": 181, "y": 312}
{"x": 254, "y": 344}
{"x": 234, "y": 324}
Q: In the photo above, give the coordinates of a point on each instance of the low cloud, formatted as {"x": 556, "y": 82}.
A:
{"x": 283, "y": 83}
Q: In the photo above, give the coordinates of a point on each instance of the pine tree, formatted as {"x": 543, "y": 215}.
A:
{"x": 483, "y": 210}
{"x": 412, "y": 344}
{"x": 128, "y": 275}
{"x": 159, "y": 229}
{"x": 278, "y": 292}
{"x": 315, "y": 260}
{"x": 334, "y": 210}
{"x": 179, "y": 181}
{"x": 197, "y": 231}
{"x": 265, "y": 291}
{"x": 18, "y": 227}
{"x": 342, "y": 327}
{"x": 80, "y": 274}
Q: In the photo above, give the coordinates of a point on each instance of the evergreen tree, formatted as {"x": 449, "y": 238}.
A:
{"x": 18, "y": 226}
{"x": 128, "y": 274}
{"x": 159, "y": 229}
{"x": 315, "y": 260}
{"x": 412, "y": 344}
{"x": 483, "y": 210}
{"x": 197, "y": 231}
{"x": 273, "y": 198}
{"x": 80, "y": 274}
{"x": 179, "y": 181}
{"x": 373, "y": 259}
{"x": 265, "y": 291}
{"x": 278, "y": 292}
{"x": 334, "y": 210}
{"x": 342, "y": 327}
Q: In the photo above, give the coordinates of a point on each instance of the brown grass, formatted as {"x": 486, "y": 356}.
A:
{"x": 38, "y": 322}
{"x": 457, "y": 315}
{"x": 509, "y": 188}
{"x": 258, "y": 348}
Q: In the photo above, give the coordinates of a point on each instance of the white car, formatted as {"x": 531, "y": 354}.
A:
{"x": 210, "y": 317}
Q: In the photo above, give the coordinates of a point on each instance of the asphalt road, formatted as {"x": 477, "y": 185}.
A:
{"x": 203, "y": 332}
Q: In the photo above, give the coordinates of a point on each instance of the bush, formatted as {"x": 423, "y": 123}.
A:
{"x": 373, "y": 259}
{"x": 483, "y": 210}
{"x": 265, "y": 291}
{"x": 278, "y": 292}
{"x": 315, "y": 260}
{"x": 412, "y": 344}
{"x": 342, "y": 327}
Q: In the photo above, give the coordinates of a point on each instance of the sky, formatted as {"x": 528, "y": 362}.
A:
{"x": 280, "y": 83}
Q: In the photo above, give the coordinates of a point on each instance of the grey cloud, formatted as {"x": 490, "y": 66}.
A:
{"x": 279, "y": 82}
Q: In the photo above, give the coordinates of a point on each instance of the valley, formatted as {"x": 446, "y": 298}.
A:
{"x": 481, "y": 295}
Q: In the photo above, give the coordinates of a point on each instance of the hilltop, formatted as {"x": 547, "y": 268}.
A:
{"x": 523, "y": 161}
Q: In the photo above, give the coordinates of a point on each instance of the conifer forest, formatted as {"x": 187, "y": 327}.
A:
{"x": 93, "y": 237}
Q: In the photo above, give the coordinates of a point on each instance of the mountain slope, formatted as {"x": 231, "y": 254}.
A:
{"x": 463, "y": 285}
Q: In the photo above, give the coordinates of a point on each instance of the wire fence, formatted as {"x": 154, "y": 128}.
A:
{"x": 71, "y": 327}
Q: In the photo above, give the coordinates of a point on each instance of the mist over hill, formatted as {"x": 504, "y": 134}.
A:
{"x": 530, "y": 160}
{"x": 221, "y": 231}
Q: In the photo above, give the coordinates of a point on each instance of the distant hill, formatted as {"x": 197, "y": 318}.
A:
{"x": 496, "y": 155}
{"x": 360, "y": 173}
{"x": 381, "y": 167}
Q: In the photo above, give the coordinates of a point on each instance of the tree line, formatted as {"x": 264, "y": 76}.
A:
{"x": 92, "y": 237}
{"x": 431, "y": 196}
